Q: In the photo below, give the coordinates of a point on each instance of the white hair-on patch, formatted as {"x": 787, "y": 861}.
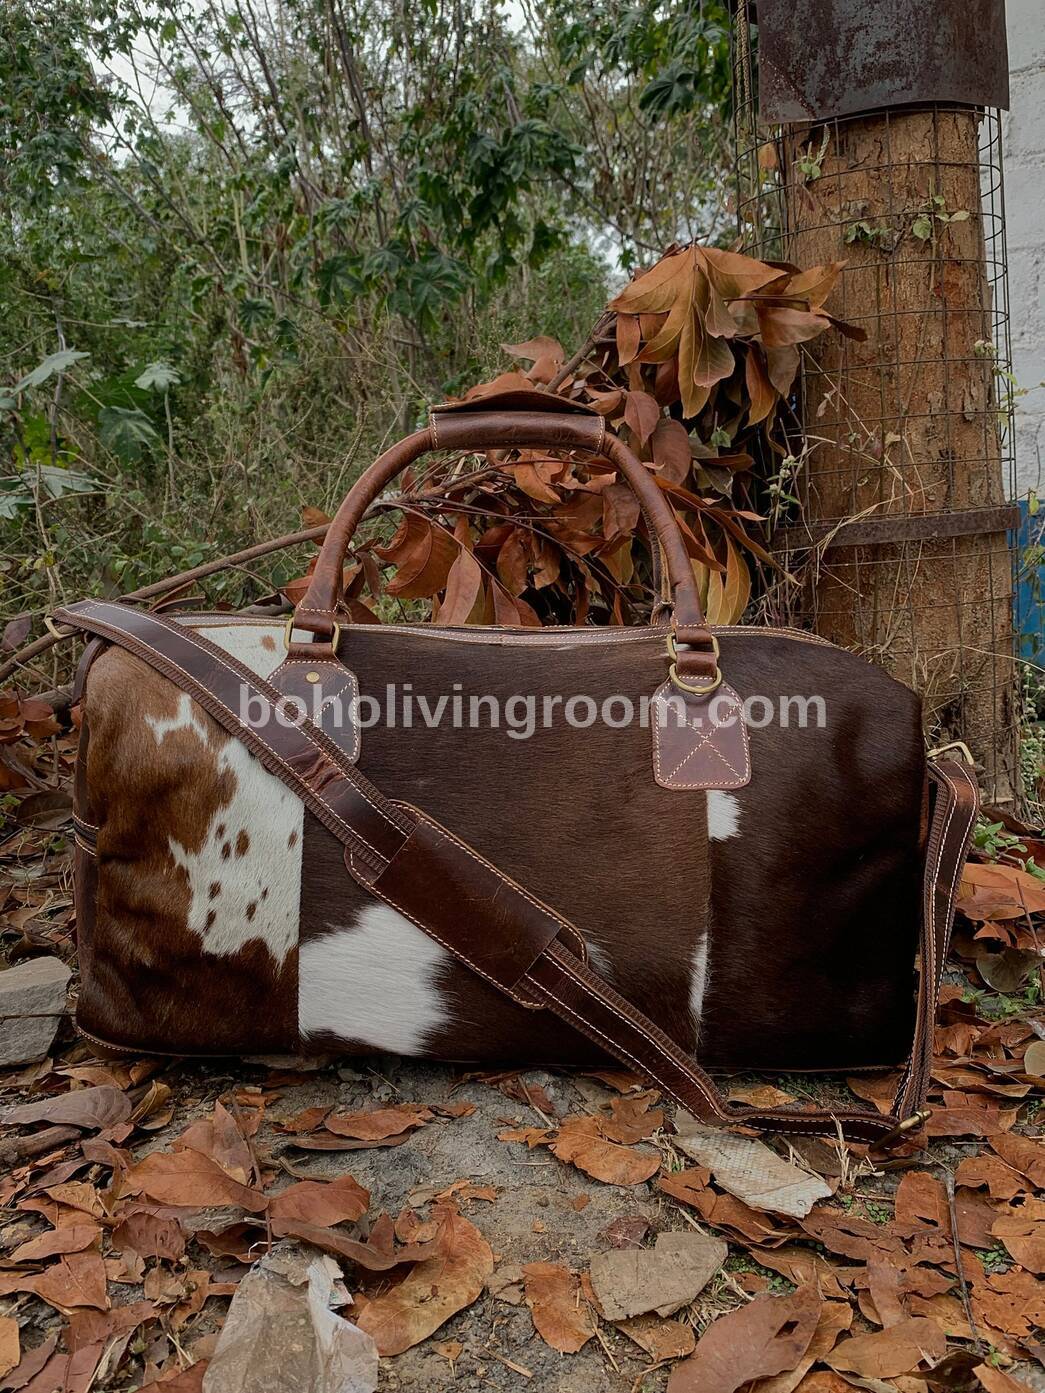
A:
{"x": 373, "y": 981}
{"x": 723, "y": 815}
{"x": 259, "y": 647}
{"x": 698, "y": 984}
{"x": 245, "y": 880}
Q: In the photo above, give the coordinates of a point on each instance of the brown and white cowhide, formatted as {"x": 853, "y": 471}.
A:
{"x": 772, "y": 922}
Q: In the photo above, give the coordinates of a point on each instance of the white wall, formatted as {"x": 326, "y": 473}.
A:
{"x": 1024, "y": 152}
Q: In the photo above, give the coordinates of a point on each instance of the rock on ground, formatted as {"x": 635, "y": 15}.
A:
{"x": 32, "y": 1003}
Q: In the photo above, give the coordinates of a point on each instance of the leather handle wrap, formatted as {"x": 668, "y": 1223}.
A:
{"x": 507, "y": 936}
{"x": 513, "y": 429}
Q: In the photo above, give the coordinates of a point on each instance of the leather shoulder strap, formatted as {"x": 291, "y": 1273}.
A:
{"x": 507, "y": 936}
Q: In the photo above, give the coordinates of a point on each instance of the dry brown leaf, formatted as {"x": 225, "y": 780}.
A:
{"x": 221, "y": 1139}
{"x": 378, "y": 1253}
{"x": 1023, "y": 1154}
{"x": 95, "y": 1108}
{"x": 998, "y": 1381}
{"x": 800, "y": 1265}
{"x": 737, "y": 1219}
{"x": 999, "y": 892}
{"x": 884, "y": 1284}
{"x": 969, "y": 1115}
{"x": 684, "y": 1185}
{"x": 1002, "y": 1182}
{"x": 886, "y": 1353}
{"x": 561, "y": 1316}
{"x": 77, "y": 1195}
{"x": 661, "y": 1339}
{"x": 63, "y": 1373}
{"x": 580, "y": 1141}
{"x": 31, "y": 1364}
{"x": 632, "y": 1281}
{"x": 378, "y": 1124}
{"x": 306, "y": 1121}
{"x": 632, "y": 1119}
{"x": 1011, "y": 1301}
{"x": 91, "y": 1327}
{"x": 544, "y": 352}
{"x": 70, "y": 1238}
{"x": 824, "y": 1381}
{"x": 76, "y": 1279}
{"x": 757, "y": 1341}
{"x": 192, "y": 1179}
{"x": 671, "y": 453}
{"x": 641, "y": 414}
{"x": 150, "y": 1236}
{"x": 10, "y": 1347}
{"x": 1022, "y": 1231}
{"x": 434, "y": 1290}
{"x": 879, "y": 1089}
{"x": 321, "y": 1203}
{"x": 835, "y": 1319}
{"x": 1034, "y": 1060}
{"x": 760, "y": 1095}
{"x": 188, "y": 1380}
{"x": 749, "y": 1170}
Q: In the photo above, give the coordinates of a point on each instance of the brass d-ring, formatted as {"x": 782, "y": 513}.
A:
{"x": 288, "y": 629}
{"x": 705, "y": 690}
{"x": 699, "y": 689}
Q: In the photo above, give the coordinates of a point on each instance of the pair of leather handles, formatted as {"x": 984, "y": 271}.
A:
{"x": 518, "y": 420}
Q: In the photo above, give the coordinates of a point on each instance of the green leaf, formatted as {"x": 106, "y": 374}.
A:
{"x": 56, "y": 481}
{"x": 337, "y": 278}
{"x": 254, "y": 313}
{"x": 157, "y": 377}
{"x": 129, "y": 434}
{"x": 922, "y": 227}
{"x": 53, "y": 363}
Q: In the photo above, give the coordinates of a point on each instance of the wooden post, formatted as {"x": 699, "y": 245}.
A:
{"x": 904, "y": 427}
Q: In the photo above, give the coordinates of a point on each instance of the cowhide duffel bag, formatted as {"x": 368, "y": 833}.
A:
{"x": 649, "y": 873}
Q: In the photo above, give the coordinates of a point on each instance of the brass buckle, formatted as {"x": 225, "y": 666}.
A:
{"x": 53, "y": 629}
{"x": 958, "y": 745}
{"x": 288, "y": 629}
{"x": 698, "y": 689}
{"x": 916, "y": 1119}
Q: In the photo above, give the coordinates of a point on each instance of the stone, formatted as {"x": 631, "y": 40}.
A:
{"x": 32, "y": 1004}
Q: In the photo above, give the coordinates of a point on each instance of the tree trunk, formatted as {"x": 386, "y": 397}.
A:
{"x": 905, "y": 425}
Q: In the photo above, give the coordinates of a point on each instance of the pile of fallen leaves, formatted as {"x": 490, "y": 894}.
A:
{"x": 182, "y": 1226}
{"x": 689, "y": 364}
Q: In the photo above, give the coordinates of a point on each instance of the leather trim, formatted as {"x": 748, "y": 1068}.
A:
{"x": 710, "y": 749}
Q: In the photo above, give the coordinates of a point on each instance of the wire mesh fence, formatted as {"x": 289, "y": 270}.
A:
{"x": 891, "y": 512}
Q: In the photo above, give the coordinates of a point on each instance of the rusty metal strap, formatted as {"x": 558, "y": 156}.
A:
{"x": 906, "y": 527}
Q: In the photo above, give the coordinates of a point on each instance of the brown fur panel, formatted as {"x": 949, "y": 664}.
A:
{"x": 816, "y": 903}
{"x": 164, "y": 795}
{"x": 815, "y": 892}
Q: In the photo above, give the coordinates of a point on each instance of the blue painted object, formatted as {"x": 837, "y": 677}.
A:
{"x": 1030, "y": 584}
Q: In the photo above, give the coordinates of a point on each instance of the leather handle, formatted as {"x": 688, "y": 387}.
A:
{"x": 515, "y": 429}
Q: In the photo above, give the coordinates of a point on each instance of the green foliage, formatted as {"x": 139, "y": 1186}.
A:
{"x": 249, "y": 242}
